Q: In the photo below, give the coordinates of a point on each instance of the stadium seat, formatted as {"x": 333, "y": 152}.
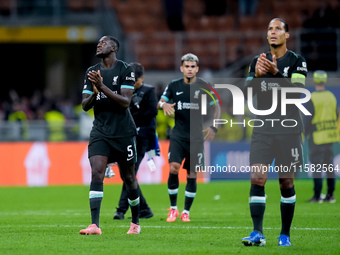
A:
{"x": 148, "y": 18}
{"x": 75, "y": 5}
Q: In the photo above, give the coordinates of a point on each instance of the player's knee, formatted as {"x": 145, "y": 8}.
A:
{"x": 286, "y": 183}
{"x": 174, "y": 168}
{"x": 129, "y": 179}
{"x": 131, "y": 183}
{"x": 258, "y": 181}
{"x": 192, "y": 174}
{"x": 98, "y": 174}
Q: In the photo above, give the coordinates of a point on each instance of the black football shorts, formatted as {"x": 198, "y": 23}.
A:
{"x": 192, "y": 152}
{"x": 121, "y": 150}
{"x": 286, "y": 149}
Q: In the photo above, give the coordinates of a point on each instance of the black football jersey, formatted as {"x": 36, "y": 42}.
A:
{"x": 111, "y": 119}
{"x": 188, "y": 108}
{"x": 292, "y": 73}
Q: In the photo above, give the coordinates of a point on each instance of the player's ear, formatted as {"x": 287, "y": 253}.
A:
{"x": 287, "y": 35}
{"x": 197, "y": 68}
{"x": 114, "y": 48}
{"x": 181, "y": 68}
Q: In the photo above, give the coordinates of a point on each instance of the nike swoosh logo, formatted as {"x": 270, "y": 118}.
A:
{"x": 128, "y": 159}
{"x": 178, "y": 93}
{"x": 294, "y": 163}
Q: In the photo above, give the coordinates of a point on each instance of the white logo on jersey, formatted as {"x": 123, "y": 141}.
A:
{"x": 178, "y": 93}
{"x": 197, "y": 93}
{"x": 294, "y": 163}
{"x": 101, "y": 95}
{"x": 187, "y": 106}
{"x": 303, "y": 68}
{"x": 114, "y": 82}
{"x": 179, "y": 105}
{"x": 263, "y": 86}
{"x": 85, "y": 86}
{"x": 285, "y": 71}
{"x": 164, "y": 93}
{"x": 132, "y": 78}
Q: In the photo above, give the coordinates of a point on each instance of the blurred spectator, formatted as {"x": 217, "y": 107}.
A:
{"x": 36, "y": 102}
{"x": 319, "y": 42}
{"x": 164, "y": 125}
{"x": 159, "y": 90}
{"x": 247, "y": 7}
{"x": 19, "y": 122}
{"x": 85, "y": 122}
{"x": 325, "y": 17}
{"x": 56, "y": 124}
{"x": 174, "y": 14}
{"x": 322, "y": 132}
{"x": 215, "y": 7}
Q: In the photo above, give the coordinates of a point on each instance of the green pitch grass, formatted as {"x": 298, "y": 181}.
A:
{"x": 47, "y": 220}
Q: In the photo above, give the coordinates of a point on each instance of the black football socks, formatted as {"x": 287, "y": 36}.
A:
{"x": 95, "y": 197}
{"x": 173, "y": 184}
{"x": 257, "y": 204}
{"x": 190, "y": 193}
{"x": 288, "y": 199}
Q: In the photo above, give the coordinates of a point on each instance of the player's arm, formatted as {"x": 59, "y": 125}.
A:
{"x": 123, "y": 99}
{"x": 212, "y": 130}
{"x": 150, "y": 101}
{"x": 252, "y": 80}
{"x": 168, "y": 109}
{"x": 298, "y": 70}
{"x": 89, "y": 95}
{"x": 152, "y": 104}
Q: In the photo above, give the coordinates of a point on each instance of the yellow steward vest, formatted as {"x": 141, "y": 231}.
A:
{"x": 324, "y": 121}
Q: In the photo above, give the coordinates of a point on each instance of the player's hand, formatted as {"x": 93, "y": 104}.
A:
{"x": 168, "y": 109}
{"x": 261, "y": 68}
{"x": 95, "y": 90}
{"x": 210, "y": 134}
{"x": 271, "y": 66}
{"x": 96, "y": 79}
{"x": 274, "y": 68}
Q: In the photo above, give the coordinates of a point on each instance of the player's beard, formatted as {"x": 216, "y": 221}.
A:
{"x": 190, "y": 79}
{"x": 100, "y": 55}
{"x": 275, "y": 45}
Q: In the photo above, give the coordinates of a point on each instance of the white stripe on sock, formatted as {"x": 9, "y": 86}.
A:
{"x": 186, "y": 211}
{"x": 134, "y": 202}
{"x": 257, "y": 199}
{"x": 190, "y": 194}
{"x": 94, "y": 194}
{"x": 172, "y": 191}
{"x": 288, "y": 200}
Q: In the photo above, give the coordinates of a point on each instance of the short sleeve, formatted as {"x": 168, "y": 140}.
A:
{"x": 299, "y": 73}
{"x": 88, "y": 87}
{"x": 167, "y": 94}
{"x": 128, "y": 78}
